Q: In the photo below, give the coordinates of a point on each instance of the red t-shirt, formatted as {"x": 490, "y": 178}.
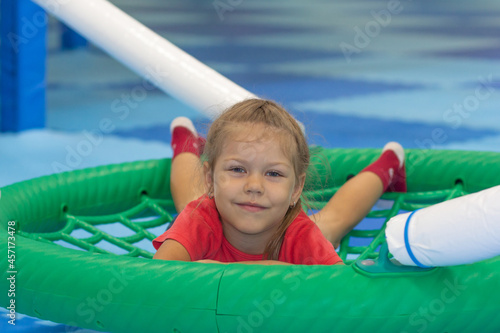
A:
{"x": 199, "y": 230}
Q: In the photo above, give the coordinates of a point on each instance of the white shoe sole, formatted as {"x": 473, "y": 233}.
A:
{"x": 183, "y": 122}
{"x": 397, "y": 149}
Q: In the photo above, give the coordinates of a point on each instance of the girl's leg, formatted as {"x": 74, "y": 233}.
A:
{"x": 357, "y": 196}
{"x": 186, "y": 181}
{"x": 186, "y": 177}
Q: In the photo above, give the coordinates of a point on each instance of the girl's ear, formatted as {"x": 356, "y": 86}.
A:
{"x": 207, "y": 174}
{"x": 297, "y": 191}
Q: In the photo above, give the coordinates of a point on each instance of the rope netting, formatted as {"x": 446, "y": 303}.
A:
{"x": 365, "y": 240}
{"x": 125, "y": 233}
{"x": 131, "y": 232}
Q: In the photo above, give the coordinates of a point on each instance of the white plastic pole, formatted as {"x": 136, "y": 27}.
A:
{"x": 148, "y": 54}
{"x": 454, "y": 232}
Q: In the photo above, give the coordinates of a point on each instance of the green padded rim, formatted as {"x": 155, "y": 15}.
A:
{"x": 124, "y": 294}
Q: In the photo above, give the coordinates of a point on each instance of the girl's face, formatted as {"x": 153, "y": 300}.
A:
{"x": 254, "y": 184}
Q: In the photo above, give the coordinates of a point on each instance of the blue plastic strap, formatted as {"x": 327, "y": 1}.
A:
{"x": 407, "y": 243}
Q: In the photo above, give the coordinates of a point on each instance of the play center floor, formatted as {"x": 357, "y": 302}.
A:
{"x": 356, "y": 73}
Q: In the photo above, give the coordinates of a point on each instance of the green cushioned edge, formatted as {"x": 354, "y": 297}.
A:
{"x": 52, "y": 282}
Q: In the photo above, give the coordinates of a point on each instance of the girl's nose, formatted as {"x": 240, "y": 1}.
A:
{"x": 254, "y": 184}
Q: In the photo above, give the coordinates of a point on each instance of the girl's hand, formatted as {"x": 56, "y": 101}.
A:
{"x": 209, "y": 261}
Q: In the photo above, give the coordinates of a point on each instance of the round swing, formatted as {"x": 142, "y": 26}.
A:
{"x": 72, "y": 268}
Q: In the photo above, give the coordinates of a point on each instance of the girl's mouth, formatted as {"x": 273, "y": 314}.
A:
{"x": 251, "y": 207}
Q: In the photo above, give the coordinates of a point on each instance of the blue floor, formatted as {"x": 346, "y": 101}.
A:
{"x": 356, "y": 73}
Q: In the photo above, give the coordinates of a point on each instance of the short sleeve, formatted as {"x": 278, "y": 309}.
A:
{"x": 192, "y": 229}
{"x": 304, "y": 244}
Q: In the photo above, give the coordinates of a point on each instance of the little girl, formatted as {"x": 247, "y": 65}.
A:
{"x": 249, "y": 209}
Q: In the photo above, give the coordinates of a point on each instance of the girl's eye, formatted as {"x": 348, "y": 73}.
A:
{"x": 274, "y": 174}
{"x": 237, "y": 169}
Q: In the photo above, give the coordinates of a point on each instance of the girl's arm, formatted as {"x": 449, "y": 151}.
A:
{"x": 256, "y": 262}
{"x": 172, "y": 250}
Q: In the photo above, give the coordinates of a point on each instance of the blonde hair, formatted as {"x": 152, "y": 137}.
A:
{"x": 272, "y": 115}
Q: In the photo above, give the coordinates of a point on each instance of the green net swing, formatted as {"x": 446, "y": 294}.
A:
{"x": 150, "y": 213}
{"x": 105, "y": 280}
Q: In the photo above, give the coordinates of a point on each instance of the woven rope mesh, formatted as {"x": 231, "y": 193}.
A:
{"x": 130, "y": 232}
{"x": 364, "y": 241}
{"x": 125, "y": 233}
